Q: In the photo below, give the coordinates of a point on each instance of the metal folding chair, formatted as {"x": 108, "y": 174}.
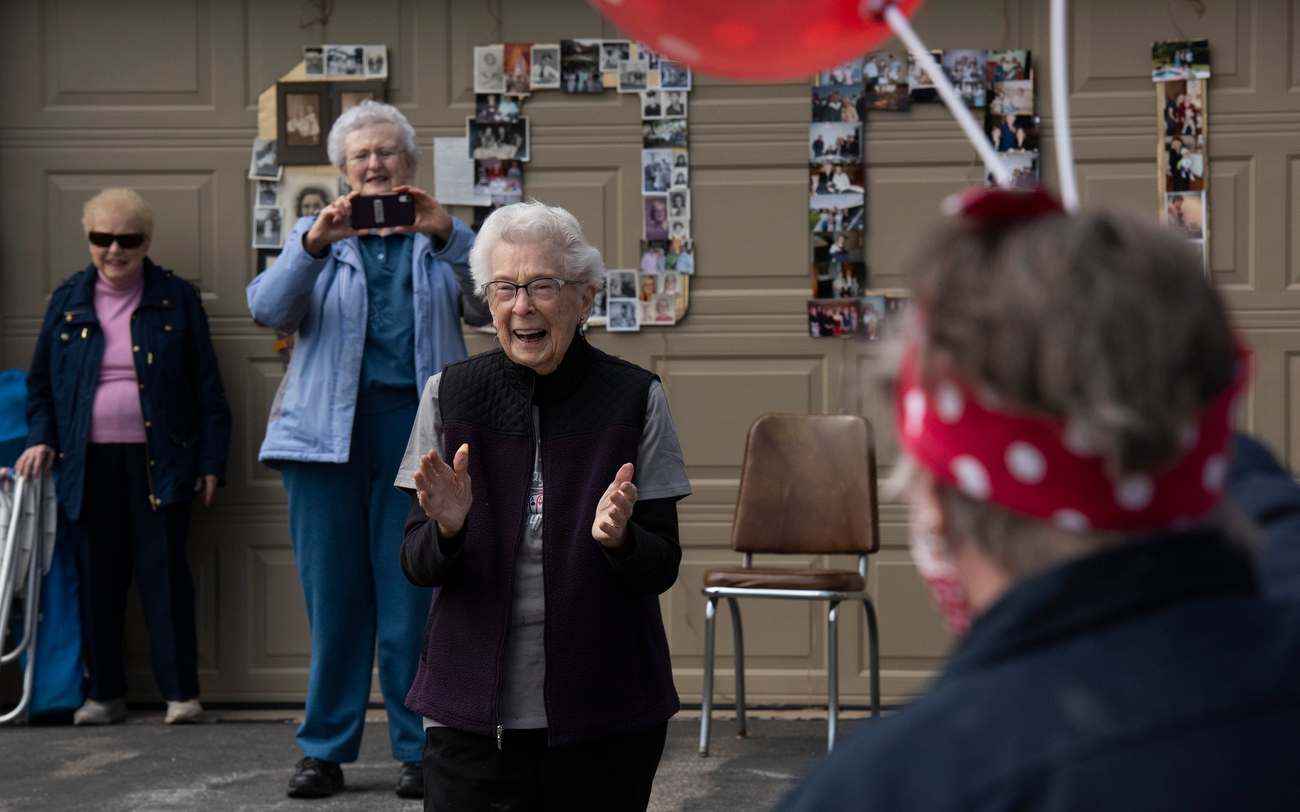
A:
{"x": 807, "y": 485}
{"x": 28, "y": 520}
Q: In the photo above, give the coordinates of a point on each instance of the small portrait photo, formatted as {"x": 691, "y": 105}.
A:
{"x": 264, "y": 163}
{"x": 670, "y": 282}
{"x": 674, "y": 75}
{"x": 1184, "y": 163}
{"x": 685, "y": 257}
{"x": 518, "y": 67}
{"x": 892, "y": 97}
{"x": 665, "y": 133}
{"x": 302, "y": 119}
{"x": 1183, "y": 106}
{"x": 268, "y": 193}
{"x": 1180, "y": 59}
{"x": 1024, "y": 170}
{"x": 545, "y": 68}
{"x": 681, "y": 157}
{"x": 920, "y": 83}
{"x": 613, "y": 51}
{"x": 507, "y": 140}
{"x": 679, "y": 228}
{"x": 832, "y": 317}
{"x": 674, "y": 103}
{"x": 493, "y": 176}
{"x": 495, "y": 108}
{"x": 266, "y": 257}
{"x": 656, "y": 217}
{"x": 663, "y": 308}
{"x": 973, "y": 93}
{"x": 489, "y": 69}
{"x": 654, "y": 256}
{"x": 1012, "y": 98}
{"x": 656, "y": 171}
{"x": 268, "y": 227}
{"x": 580, "y": 66}
{"x": 897, "y": 311}
{"x": 652, "y": 107}
{"x": 648, "y": 55}
{"x": 846, "y": 73}
{"x": 831, "y": 142}
{"x": 885, "y": 69}
{"x": 648, "y": 286}
{"x": 633, "y": 76}
{"x": 837, "y": 246}
{"x": 304, "y": 194}
{"x": 679, "y": 203}
{"x": 871, "y": 317}
{"x": 623, "y": 315}
{"x": 830, "y": 213}
{"x": 621, "y": 284}
{"x": 376, "y": 61}
{"x": 681, "y": 177}
{"x": 1011, "y": 133}
{"x": 345, "y": 60}
{"x": 310, "y": 201}
{"x": 1185, "y": 213}
{"x": 836, "y": 103}
{"x": 599, "y": 309}
{"x": 840, "y": 280}
{"x": 313, "y": 60}
{"x": 1006, "y": 66}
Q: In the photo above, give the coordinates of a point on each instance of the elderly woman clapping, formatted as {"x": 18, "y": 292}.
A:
{"x": 545, "y": 678}
{"x": 377, "y": 313}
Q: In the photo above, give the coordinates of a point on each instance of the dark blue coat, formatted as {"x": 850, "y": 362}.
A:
{"x": 187, "y": 418}
{"x": 1269, "y": 495}
{"x": 1148, "y": 677}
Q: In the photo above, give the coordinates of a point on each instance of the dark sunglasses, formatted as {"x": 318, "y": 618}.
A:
{"x": 126, "y": 241}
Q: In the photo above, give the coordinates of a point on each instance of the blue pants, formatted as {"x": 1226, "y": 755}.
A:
{"x": 346, "y": 522}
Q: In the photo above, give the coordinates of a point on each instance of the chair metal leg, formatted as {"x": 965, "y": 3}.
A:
{"x": 739, "y": 637}
{"x": 706, "y": 709}
{"x": 832, "y": 673}
{"x": 873, "y": 653}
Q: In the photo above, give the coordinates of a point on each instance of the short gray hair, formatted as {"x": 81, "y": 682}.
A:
{"x": 364, "y": 114}
{"x": 533, "y": 222}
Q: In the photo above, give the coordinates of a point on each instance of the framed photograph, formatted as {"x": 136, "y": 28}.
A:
{"x": 648, "y": 285}
{"x": 494, "y": 108}
{"x": 505, "y": 140}
{"x": 839, "y": 280}
{"x": 894, "y": 98}
{"x": 885, "y": 69}
{"x": 656, "y": 217}
{"x": 652, "y": 108}
{"x": 624, "y": 315}
{"x": 679, "y": 203}
{"x": 1012, "y": 98}
{"x": 1012, "y": 133}
{"x": 621, "y": 284}
{"x": 838, "y": 212}
{"x": 633, "y": 76}
{"x": 832, "y": 142}
{"x": 268, "y": 193}
{"x": 266, "y": 257}
{"x": 376, "y": 61}
{"x": 303, "y": 119}
{"x": 656, "y": 171}
{"x": 304, "y": 194}
{"x": 681, "y": 157}
{"x": 580, "y": 66}
{"x": 846, "y": 73}
{"x": 346, "y": 95}
{"x": 666, "y": 133}
{"x": 599, "y": 310}
{"x": 871, "y": 316}
{"x": 965, "y": 68}
{"x": 1185, "y": 213}
{"x": 612, "y": 52}
{"x": 518, "y": 68}
{"x": 489, "y": 69}
{"x": 663, "y": 309}
{"x": 839, "y": 103}
{"x": 1007, "y": 66}
{"x": 674, "y": 103}
{"x": 648, "y": 55}
{"x": 835, "y": 179}
{"x": 265, "y": 163}
{"x": 829, "y": 318}
{"x": 679, "y": 228}
{"x": 919, "y": 82}
{"x": 674, "y": 75}
{"x": 493, "y": 176}
{"x": 1180, "y": 59}
{"x": 654, "y": 256}
{"x": 313, "y": 60}
{"x": 681, "y": 177}
{"x": 1184, "y": 109}
{"x": 545, "y": 70}
{"x": 268, "y": 227}
{"x": 686, "y": 257}
{"x": 837, "y": 246}
{"x": 345, "y": 60}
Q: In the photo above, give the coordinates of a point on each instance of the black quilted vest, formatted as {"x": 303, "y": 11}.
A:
{"x": 607, "y": 665}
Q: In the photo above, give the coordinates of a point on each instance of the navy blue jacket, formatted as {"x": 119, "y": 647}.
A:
{"x": 187, "y": 418}
{"x": 1152, "y": 676}
{"x": 1268, "y": 494}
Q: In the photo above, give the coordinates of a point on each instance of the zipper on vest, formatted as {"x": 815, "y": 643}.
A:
{"x": 500, "y": 732}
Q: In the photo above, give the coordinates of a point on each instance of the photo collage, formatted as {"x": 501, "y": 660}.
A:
{"x": 322, "y": 61}
{"x": 1180, "y": 70}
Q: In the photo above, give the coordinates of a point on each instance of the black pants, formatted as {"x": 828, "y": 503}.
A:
{"x": 465, "y": 772}
{"x": 118, "y": 534}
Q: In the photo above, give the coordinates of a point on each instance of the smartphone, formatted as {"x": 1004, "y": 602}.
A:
{"x": 383, "y": 211}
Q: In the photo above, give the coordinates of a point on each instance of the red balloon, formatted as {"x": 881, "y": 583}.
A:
{"x": 754, "y": 39}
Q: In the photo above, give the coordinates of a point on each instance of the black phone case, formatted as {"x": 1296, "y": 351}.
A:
{"x": 383, "y": 211}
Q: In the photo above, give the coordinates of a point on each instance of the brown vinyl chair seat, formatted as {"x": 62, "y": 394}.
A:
{"x": 785, "y": 578}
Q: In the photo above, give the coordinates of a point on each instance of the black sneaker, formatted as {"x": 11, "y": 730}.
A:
{"x": 410, "y": 783}
{"x": 315, "y": 778}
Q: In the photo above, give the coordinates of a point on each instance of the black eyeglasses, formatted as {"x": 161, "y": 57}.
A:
{"x": 103, "y": 239}
{"x": 545, "y": 289}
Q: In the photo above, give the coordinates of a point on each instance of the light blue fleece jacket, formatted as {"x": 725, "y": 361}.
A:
{"x": 312, "y": 420}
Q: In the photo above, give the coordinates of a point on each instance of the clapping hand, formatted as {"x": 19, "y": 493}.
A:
{"x": 444, "y": 490}
{"x": 614, "y": 510}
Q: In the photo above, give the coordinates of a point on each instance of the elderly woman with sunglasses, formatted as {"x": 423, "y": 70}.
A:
{"x": 544, "y": 677}
{"x": 125, "y": 396}
{"x": 376, "y": 314}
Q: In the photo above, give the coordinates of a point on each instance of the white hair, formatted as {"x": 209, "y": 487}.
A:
{"x": 533, "y": 222}
{"x": 364, "y": 114}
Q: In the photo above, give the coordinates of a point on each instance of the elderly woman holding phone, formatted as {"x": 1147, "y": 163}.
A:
{"x": 377, "y": 312}
{"x": 544, "y": 681}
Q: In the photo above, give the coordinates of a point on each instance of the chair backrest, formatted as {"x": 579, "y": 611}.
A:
{"x": 808, "y": 485}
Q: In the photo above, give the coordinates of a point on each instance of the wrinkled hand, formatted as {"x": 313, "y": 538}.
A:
{"x": 331, "y": 225}
{"x": 430, "y": 217}
{"x": 614, "y": 510}
{"x": 207, "y": 485}
{"x": 444, "y": 490}
{"x": 35, "y": 461}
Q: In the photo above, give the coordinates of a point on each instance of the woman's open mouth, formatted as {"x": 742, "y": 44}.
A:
{"x": 530, "y": 336}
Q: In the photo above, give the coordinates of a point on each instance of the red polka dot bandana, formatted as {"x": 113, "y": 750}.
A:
{"x": 1039, "y": 466}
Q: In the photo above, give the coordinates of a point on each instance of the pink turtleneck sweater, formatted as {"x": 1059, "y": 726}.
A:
{"x": 116, "y": 416}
